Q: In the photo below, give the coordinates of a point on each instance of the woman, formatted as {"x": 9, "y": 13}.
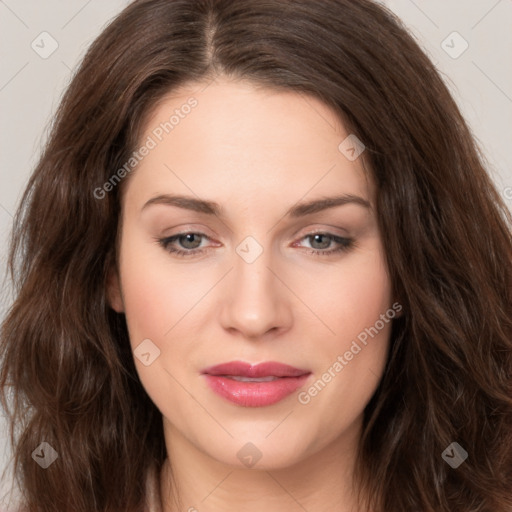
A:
{"x": 339, "y": 338}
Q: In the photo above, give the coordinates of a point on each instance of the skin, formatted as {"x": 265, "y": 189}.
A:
{"x": 256, "y": 152}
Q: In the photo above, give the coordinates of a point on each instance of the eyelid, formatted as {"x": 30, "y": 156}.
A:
{"x": 188, "y": 228}
{"x": 326, "y": 228}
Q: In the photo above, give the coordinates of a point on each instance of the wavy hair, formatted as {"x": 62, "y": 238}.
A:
{"x": 68, "y": 376}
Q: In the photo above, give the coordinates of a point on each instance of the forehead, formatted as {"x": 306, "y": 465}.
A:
{"x": 227, "y": 138}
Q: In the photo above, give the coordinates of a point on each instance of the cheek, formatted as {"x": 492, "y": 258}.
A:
{"x": 156, "y": 294}
{"x": 353, "y": 298}
{"x": 147, "y": 304}
{"x": 358, "y": 354}
{"x": 356, "y": 305}
{"x": 154, "y": 301}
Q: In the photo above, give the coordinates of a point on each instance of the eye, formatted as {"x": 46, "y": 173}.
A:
{"x": 190, "y": 242}
{"x": 323, "y": 241}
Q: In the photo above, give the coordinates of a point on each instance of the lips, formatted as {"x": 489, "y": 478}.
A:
{"x": 254, "y": 385}
{"x": 241, "y": 369}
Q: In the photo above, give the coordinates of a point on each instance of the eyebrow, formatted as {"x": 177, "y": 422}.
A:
{"x": 297, "y": 210}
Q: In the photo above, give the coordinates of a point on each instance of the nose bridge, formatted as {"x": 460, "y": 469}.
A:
{"x": 256, "y": 301}
{"x": 251, "y": 267}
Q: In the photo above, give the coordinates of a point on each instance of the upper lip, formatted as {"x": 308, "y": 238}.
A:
{"x": 266, "y": 369}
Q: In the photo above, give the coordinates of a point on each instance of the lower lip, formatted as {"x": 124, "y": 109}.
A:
{"x": 255, "y": 394}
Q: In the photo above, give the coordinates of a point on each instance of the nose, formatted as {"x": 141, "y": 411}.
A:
{"x": 256, "y": 302}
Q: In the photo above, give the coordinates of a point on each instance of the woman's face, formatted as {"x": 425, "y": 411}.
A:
{"x": 248, "y": 288}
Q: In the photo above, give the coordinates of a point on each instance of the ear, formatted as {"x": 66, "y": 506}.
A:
{"x": 113, "y": 292}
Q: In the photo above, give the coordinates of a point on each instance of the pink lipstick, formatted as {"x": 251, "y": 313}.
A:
{"x": 254, "y": 385}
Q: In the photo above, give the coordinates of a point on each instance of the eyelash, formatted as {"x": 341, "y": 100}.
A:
{"x": 345, "y": 244}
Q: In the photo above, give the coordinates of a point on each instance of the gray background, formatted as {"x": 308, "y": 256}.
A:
{"x": 480, "y": 79}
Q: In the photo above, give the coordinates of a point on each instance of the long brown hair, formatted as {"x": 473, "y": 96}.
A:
{"x": 67, "y": 366}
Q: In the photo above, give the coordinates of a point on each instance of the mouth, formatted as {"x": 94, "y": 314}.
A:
{"x": 254, "y": 385}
